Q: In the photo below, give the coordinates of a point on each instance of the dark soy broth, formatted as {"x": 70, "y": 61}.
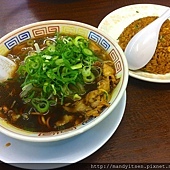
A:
{"x": 24, "y": 116}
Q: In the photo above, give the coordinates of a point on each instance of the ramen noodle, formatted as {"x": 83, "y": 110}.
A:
{"x": 160, "y": 62}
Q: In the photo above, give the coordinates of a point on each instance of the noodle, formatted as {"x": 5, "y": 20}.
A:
{"x": 160, "y": 62}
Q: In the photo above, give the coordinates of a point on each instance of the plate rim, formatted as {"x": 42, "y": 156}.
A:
{"x": 152, "y": 77}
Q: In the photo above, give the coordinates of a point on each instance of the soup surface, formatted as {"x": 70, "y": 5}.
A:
{"x": 61, "y": 81}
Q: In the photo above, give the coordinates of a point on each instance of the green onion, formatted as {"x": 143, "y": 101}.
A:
{"x": 77, "y": 66}
{"x": 41, "y": 105}
{"x": 57, "y": 72}
{"x": 87, "y": 51}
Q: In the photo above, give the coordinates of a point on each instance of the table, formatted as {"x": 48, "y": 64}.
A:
{"x": 144, "y": 133}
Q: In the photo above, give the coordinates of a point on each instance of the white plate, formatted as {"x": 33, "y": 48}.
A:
{"x": 115, "y": 22}
{"x": 57, "y": 154}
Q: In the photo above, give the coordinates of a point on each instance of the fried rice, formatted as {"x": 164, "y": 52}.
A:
{"x": 160, "y": 62}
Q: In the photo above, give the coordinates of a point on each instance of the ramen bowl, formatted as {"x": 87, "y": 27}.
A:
{"x": 63, "y": 27}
